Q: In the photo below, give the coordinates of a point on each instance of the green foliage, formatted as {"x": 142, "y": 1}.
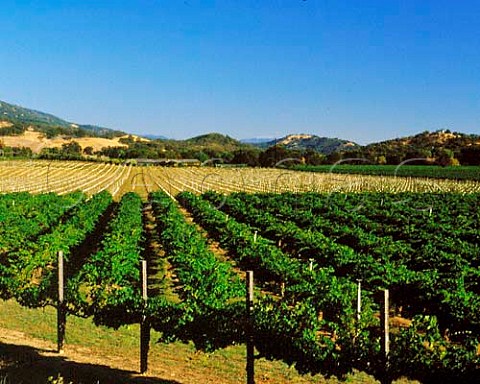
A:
{"x": 422, "y": 353}
{"x": 15, "y": 129}
{"x": 30, "y": 269}
{"x": 427, "y": 171}
{"x": 307, "y": 252}
{"x": 246, "y": 156}
{"x": 111, "y": 277}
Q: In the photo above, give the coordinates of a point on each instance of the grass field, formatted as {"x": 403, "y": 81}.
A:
{"x": 101, "y": 355}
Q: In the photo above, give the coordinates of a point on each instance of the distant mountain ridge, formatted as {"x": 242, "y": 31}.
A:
{"x": 14, "y": 120}
{"x": 155, "y": 137}
{"x": 23, "y": 127}
{"x": 21, "y": 118}
{"x": 257, "y": 140}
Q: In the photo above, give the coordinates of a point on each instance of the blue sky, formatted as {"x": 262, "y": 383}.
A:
{"x": 359, "y": 70}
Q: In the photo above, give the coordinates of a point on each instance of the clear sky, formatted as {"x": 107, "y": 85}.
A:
{"x": 359, "y": 70}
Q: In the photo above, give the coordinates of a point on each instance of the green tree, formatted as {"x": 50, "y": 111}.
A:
{"x": 246, "y": 156}
{"x": 275, "y": 155}
{"x": 313, "y": 157}
{"x": 444, "y": 157}
{"x": 71, "y": 150}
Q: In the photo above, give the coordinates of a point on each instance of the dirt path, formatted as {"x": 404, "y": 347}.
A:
{"x": 161, "y": 277}
{"x": 30, "y": 360}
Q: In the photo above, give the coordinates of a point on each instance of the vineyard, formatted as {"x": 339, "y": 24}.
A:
{"x": 312, "y": 255}
{"x": 63, "y": 177}
{"x": 405, "y": 170}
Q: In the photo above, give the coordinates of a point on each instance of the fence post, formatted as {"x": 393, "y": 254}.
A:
{"x": 359, "y": 311}
{"x": 144, "y": 324}
{"x": 384, "y": 317}
{"x": 359, "y": 300}
{"x": 249, "y": 329}
{"x": 61, "y": 313}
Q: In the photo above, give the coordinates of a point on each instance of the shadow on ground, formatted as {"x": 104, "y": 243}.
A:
{"x": 26, "y": 365}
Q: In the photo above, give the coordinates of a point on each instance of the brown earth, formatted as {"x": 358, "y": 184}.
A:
{"x": 5, "y": 124}
{"x": 27, "y": 355}
{"x": 29, "y": 360}
{"x": 36, "y": 141}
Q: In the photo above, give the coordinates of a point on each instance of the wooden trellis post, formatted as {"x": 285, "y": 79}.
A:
{"x": 359, "y": 300}
{"x": 249, "y": 330}
{"x": 384, "y": 319}
{"x": 144, "y": 324}
{"x": 61, "y": 310}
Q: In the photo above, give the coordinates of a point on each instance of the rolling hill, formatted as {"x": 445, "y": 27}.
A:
{"x": 441, "y": 147}
{"x": 23, "y": 127}
{"x": 428, "y": 141}
{"x": 15, "y": 120}
{"x": 214, "y": 141}
{"x": 303, "y": 142}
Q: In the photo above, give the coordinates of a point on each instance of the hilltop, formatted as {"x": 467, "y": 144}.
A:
{"x": 442, "y": 147}
{"x": 214, "y": 141}
{"x": 442, "y": 138}
{"x": 303, "y": 142}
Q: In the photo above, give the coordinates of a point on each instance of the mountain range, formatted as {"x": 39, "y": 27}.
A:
{"x": 17, "y": 122}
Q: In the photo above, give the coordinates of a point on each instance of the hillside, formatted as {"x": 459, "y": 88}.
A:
{"x": 37, "y": 141}
{"x": 24, "y": 115}
{"x": 429, "y": 146}
{"x": 305, "y": 142}
{"x": 213, "y": 138}
{"x": 427, "y": 140}
{"x": 40, "y": 132}
{"x": 211, "y": 143}
{"x": 14, "y": 120}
